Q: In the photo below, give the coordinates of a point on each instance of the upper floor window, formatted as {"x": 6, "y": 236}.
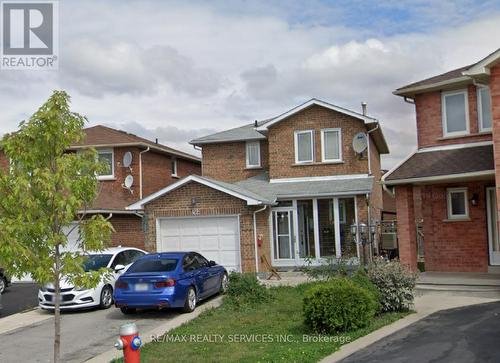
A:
{"x": 173, "y": 166}
{"x": 457, "y": 203}
{"x": 304, "y": 146}
{"x": 484, "y": 108}
{"x": 331, "y": 141}
{"x": 106, "y": 157}
{"x": 253, "y": 154}
{"x": 455, "y": 113}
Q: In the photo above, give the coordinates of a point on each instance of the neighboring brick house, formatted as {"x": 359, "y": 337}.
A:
{"x": 152, "y": 167}
{"x": 450, "y": 181}
{"x": 288, "y": 189}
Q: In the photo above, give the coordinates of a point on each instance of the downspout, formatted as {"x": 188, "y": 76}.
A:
{"x": 109, "y": 217}
{"x": 255, "y": 238}
{"x": 369, "y": 153}
{"x": 140, "y": 171}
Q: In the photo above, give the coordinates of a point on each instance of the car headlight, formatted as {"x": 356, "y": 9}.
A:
{"x": 43, "y": 288}
{"x": 80, "y": 288}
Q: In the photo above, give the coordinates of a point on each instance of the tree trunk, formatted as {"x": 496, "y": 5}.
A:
{"x": 57, "y": 313}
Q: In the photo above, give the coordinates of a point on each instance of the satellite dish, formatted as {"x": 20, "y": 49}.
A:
{"x": 129, "y": 181}
{"x": 127, "y": 159}
{"x": 360, "y": 142}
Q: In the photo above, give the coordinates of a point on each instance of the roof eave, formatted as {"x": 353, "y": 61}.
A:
{"x": 222, "y": 141}
{"x": 412, "y": 91}
{"x": 439, "y": 178}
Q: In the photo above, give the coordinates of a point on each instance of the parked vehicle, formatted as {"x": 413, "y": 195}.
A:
{"x": 169, "y": 280}
{"x": 4, "y": 281}
{"x": 117, "y": 259}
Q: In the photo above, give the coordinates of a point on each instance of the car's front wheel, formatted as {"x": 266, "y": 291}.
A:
{"x": 106, "y": 297}
{"x": 3, "y": 284}
{"x": 190, "y": 303}
{"x": 224, "y": 283}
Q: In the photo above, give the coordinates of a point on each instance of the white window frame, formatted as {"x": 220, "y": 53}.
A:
{"x": 323, "y": 156}
{"x": 112, "y": 175}
{"x": 296, "y": 137}
{"x": 248, "y": 144}
{"x": 451, "y": 216}
{"x": 173, "y": 160}
{"x": 443, "y": 113}
{"x": 480, "y": 109}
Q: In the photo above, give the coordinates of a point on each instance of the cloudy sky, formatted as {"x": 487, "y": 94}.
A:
{"x": 177, "y": 70}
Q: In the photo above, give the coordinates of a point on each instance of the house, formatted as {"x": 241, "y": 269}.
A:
{"x": 450, "y": 180}
{"x": 281, "y": 191}
{"x": 136, "y": 167}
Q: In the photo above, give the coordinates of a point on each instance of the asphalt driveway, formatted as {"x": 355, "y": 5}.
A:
{"x": 469, "y": 334}
{"x": 19, "y": 297}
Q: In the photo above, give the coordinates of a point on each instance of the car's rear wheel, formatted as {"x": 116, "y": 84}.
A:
{"x": 190, "y": 303}
{"x": 106, "y": 297}
{"x": 224, "y": 283}
{"x": 3, "y": 284}
{"x": 128, "y": 311}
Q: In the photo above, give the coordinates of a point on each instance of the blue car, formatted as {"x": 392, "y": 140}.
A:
{"x": 169, "y": 280}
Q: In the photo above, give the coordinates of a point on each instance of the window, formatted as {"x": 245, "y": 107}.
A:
{"x": 484, "y": 108}
{"x": 331, "y": 141}
{"x": 106, "y": 157}
{"x": 455, "y": 113}
{"x": 457, "y": 203}
{"x": 304, "y": 146}
{"x": 173, "y": 166}
{"x": 253, "y": 154}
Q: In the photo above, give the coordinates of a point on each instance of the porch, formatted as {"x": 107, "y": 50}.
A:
{"x": 474, "y": 284}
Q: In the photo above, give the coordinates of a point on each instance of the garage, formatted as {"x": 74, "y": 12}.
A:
{"x": 216, "y": 238}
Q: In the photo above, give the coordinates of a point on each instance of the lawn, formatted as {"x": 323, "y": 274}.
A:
{"x": 220, "y": 334}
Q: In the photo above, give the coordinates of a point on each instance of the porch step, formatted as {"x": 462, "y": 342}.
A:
{"x": 488, "y": 291}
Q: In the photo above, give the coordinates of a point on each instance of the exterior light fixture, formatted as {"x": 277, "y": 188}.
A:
{"x": 475, "y": 199}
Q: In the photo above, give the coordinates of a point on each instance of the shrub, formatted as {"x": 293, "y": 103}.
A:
{"x": 245, "y": 290}
{"x": 330, "y": 268}
{"x": 395, "y": 282}
{"x": 338, "y": 305}
{"x": 360, "y": 278}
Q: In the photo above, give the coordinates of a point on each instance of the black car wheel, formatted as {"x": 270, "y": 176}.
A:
{"x": 224, "y": 283}
{"x": 128, "y": 311}
{"x": 3, "y": 284}
{"x": 190, "y": 303}
{"x": 106, "y": 297}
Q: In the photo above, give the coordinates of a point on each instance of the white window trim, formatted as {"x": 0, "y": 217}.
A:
{"x": 323, "y": 156}
{"x": 173, "y": 160}
{"x": 448, "y": 202}
{"x": 480, "y": 109}
{"x": 296, "y": 134}
{"x": 112, "y": 175}
{"x": 248, "y": 165}
{"x": 443, "y": 113}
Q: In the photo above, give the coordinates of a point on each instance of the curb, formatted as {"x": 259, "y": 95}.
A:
{"x": 147, "y": 337}
{"x": 23, "y": 319}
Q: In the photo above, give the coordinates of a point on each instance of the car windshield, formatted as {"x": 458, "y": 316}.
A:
{"x": 154, "y": 265}
{"x": 95, "y": 262}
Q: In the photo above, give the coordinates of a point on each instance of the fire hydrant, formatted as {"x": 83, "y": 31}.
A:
{"x": 130, "y": 343}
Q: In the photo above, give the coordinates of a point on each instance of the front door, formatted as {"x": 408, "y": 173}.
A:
{"x": 493, "y": 240}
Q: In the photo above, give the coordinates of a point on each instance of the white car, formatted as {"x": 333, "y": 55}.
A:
{"x": 117, "y": 259}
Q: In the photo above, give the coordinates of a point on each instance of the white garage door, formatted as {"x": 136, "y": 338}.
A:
{"x": 216, "y": 238}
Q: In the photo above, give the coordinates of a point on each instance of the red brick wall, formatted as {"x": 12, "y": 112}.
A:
{"x": 406, "y": 226}
{"x": 495, "y": 103}
{"x": 128, "y": 231}
{"x": 376, "y": 200}
{"x": 227, "y": 161}
{"x": 455, "y": 245}
{"x": 282, "y": 151}
{"x": 429, "y": 122}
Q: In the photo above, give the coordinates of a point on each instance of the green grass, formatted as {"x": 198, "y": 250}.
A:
{"x": 280, "y": 317}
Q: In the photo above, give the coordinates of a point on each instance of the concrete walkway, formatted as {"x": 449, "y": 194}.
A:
{"x": 425, "y": 305}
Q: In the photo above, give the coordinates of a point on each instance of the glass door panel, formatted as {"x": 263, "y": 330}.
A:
{"x": 347, "y": 217}
{"x": 306, "y": 228}
{"x": 326, "y": 216}
{"x": 283, "y": 234}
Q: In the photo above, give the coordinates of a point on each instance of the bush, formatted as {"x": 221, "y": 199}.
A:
{"x": 245, "y": 290}
{"x": 395, "y": 282}
{"x": 360, "y": 278}
{"x": 329, "y": 268}
{"x": 338, "y": 306}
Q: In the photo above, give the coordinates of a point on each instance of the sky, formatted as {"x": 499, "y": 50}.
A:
{"x": 177, "y": 70}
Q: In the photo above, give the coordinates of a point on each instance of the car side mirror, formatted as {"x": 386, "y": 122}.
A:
{"x": 212, "y": 263}
{"x": 119, "y": 268}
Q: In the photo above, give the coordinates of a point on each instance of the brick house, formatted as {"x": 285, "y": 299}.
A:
{"x": 286, "y": 189}
{"x": 152, "y": 166}
{"x": 450, "y": 180}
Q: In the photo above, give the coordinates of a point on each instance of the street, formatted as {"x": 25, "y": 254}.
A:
{"x": 468, "y": 334}
{"x": 19, "y": 297}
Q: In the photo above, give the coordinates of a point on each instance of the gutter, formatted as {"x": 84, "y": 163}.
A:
{"x": 140, "y": 170}
{"x": 255, "y": 237}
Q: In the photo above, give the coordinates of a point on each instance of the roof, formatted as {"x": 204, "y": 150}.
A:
{"x": 253, "y": 132}
{"x": 259, "y": 190}
{"x": 460, "y": 75}
{"x": 103, "y": 136}
{"x": 458, "y": 161}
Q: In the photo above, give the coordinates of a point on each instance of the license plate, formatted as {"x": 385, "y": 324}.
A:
{"x": 141, "y": 287}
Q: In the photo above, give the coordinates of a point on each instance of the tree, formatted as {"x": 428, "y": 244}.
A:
{"x": 46, "y": 188}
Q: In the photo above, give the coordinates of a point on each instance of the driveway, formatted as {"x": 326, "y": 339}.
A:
{"x": 468, "y": 334}
{"x": 19, "y": 297}
{"x": 84, "y": 335}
